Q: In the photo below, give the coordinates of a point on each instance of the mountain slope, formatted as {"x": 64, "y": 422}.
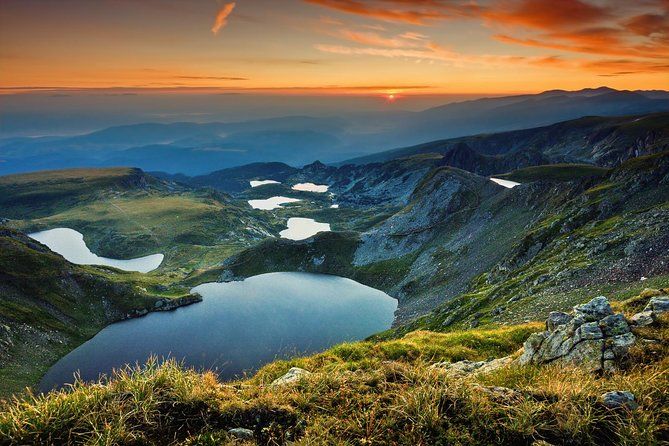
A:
{"x": 125, "y": 213}
{"x": 597, "y": 140}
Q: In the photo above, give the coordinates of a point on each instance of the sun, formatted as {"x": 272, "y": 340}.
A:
{"x": 391, "y": 97}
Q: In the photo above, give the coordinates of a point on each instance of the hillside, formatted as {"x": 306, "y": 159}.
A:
{"x": 127, "y": 213}
{"x": 50, "y": 306}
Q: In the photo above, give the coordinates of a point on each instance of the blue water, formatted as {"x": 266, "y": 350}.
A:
{"x": 238, "y": 327}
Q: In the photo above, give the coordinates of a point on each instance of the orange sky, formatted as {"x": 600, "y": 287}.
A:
{"x": 334, "y": 46}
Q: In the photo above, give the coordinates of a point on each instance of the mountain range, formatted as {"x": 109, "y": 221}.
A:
{"x": 196, "y": 149}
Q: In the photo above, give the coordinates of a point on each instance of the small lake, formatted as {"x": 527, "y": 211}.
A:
{"x": 70, "y": 244}
{"x": 256, "y": 183}
{"x": 303, "y": 228}
{"x": 311, "y": 187}
{"x": 272, "y": 203}
{"x": 238, "y": 327}
{"x": 505, "y": 183}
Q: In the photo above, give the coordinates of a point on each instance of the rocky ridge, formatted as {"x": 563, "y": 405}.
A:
{"x": 593, "y": 336}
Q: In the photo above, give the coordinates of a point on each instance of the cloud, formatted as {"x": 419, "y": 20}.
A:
{"x": 375, "y": 39}
{"x": 427, "y": 11}
{"x": 222, "y": 17}
{"x": 219, "y": 78}
{"x": 540, "y": 14}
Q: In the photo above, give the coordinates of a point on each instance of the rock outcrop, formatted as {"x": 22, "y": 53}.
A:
{"x": 593, "y": 337}
{"x": 466, "y": 367}
{"x": 656, "y": 306}
{"x": 619, "y": 399}
{"x": 293, "y": 375}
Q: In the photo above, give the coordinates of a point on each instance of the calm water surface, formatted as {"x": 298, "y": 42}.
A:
{"x": 238, "y": 327}
{"x": 70, "y": 244}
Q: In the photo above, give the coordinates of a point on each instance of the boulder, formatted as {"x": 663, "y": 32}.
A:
{"x": 557, "y": 318}
{"x": 466, "y": 367}
{"x": 241, "y": 433}
{"x": 655, "y": 307}
{"x": 598, "y": 308}
{"x": 643, "y": 319}
{"x": 614, "y": 325}
{"x": 619, "y": 399}
{"x": 293, "y": 375}
{"x": 594, "y": 338}
{"x": 659, "y": 304}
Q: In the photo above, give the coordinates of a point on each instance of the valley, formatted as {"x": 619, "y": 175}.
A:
{"x": 397, "y": 251}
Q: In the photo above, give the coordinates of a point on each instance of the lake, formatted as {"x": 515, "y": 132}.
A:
{"x": 311, "y": 187}
{"x": 272, "y": 203}
{"x": 505, "y": 183}
{"x": 71, "y": 245}
{"x": 257, "y": 183}
{"x": 239, "y": 326}
{"x": 302, "y": 228}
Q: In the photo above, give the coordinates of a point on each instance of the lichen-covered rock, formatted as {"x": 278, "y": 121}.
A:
{"x": 619, "y": 399}
{"x": 643, "y": 319}
{"x": 466, "y": 367}
{"x": 594, "y": 338}
{"x": 659, "y": 304}
{"x": 293, "y": 375}
{"x": 614, "y": 325}
{"x": 655, "y": 307}
{"x": 557, "y": 318}
{"x": 598, "y": 308}
{"x": 241, "y": 433}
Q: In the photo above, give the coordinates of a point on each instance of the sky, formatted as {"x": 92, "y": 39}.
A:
{"x": 393, "y": 48}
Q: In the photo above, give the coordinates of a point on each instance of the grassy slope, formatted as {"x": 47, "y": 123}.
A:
{"x": 365, "y": 393}
{"x": 125, "y": 213}
{"x": 43, "y": 193}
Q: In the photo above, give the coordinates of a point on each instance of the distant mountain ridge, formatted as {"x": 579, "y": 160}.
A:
{"x": 605, "y": 141}
{"x": 197, "y": 149}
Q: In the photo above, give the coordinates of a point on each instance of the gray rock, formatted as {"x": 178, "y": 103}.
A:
{"x": 159, "y": 303}
{"x": 587, "y": 331}
{"x": 619, "y": 399}
{"x": 557, "y": 318}
{"x": 594, "y": 338}
{"x": 466, "y": 367}
{"x": 643, "y": 319}
{"x": 459, "y": 368}
{"x": 659, "y": 304}
{"x": 241, "y": 433}
{"x": 586, "y": 354}
{"x": 293, "y": 375}
{"x": 497, "y": 311}
{"x": 620, "y": 344}
{"x": 448, "y": 321}
{"x": 614, "y": 325}
{"x": 531, "y": 348}
{"x": 598, "y": 308}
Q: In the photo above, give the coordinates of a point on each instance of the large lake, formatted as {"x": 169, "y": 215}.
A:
{"x": 238, "y": 327}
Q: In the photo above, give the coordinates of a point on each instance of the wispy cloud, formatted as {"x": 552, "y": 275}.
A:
{"x": 222, "y": 17}
{"x": 216, "y": 78}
